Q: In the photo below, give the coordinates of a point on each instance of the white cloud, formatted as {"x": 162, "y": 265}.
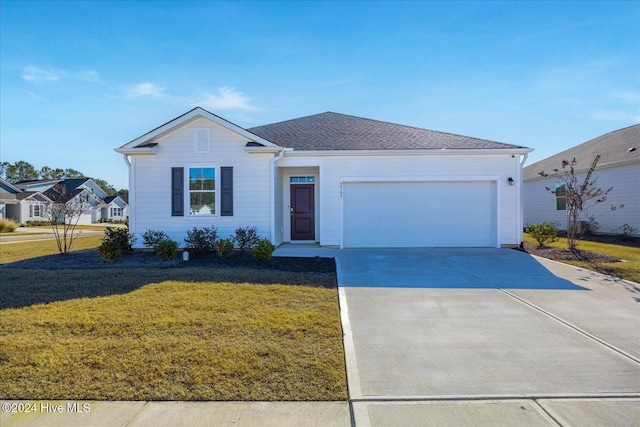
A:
{"x": 41, "y": 75}
{"x": 89, "y": 76}
{"x": 226, "y": 98}
{"x": 147, "y": 89}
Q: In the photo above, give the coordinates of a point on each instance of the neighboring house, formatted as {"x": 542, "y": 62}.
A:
{"x": 618, "y": 167}
{"x": 34, "y": 197}
{"x": 8, "y": 199}
{"x": 330, "y": 178}
{"x": 116, "y": 208}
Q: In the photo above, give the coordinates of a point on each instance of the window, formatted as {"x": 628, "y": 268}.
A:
{"x": 202, "y": 191}
{"x": 561, "y": 197}
{"x": 35, "y": 211}
{"x": 302, "y": 179}
{"x": 116, "y": 211}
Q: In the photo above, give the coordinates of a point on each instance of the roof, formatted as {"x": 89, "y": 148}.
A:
{"x": 65, "y": 190}
{"x": 110, "y": 199}
{"x": 9, "y": 187}
{"x": 334, "y": 131}
{"x": 613, "y": 147}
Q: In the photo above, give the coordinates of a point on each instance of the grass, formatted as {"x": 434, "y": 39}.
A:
{"x": 628, "y": 270}
{"x": 16, "y": 251}
{"x": 193, "y": 333}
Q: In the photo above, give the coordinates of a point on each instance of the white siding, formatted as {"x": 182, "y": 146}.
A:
{"x": 540, "y": 206}
{"x": 337, "y": 169}
{"x": 150, "y": 197}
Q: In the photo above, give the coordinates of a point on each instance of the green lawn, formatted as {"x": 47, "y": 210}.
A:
{"x": 16, "y": 251}
{"x": 193, "y": 333}
{"x": 629, "y": 269}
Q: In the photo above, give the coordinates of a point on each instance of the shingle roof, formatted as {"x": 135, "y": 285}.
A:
{"x": 333, "y": 131}
{"x": 65, "y": 190}
{"x": 613, "y": 147}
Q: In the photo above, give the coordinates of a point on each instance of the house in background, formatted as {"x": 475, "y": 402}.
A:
{"x": 618, "y": 167}
{"x": 34, "y": 197}
{"x": 8, "y": 199}
{"x": 334, "y": 179}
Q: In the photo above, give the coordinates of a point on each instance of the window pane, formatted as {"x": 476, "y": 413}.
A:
{"x": 203, "y": 203}
{"x": 561, "y": 204}
{"x": 209, "y": 179}
{"x": 195, "y": 178}
{"x": 560, "y": 190}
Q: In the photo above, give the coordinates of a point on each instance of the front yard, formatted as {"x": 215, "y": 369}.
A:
{"x": 192, "y": 333}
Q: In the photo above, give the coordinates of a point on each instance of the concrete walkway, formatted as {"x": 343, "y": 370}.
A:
{"x": 487, "y": 337}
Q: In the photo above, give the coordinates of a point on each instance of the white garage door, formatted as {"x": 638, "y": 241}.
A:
{"x": 419, "y": 214}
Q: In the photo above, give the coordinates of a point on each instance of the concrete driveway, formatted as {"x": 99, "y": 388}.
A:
{"x": 487, "y": 337}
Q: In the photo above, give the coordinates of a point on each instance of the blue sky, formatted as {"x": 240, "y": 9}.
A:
{"x": 79, "y": 79}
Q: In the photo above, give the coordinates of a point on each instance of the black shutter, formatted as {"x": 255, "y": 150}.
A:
{"x": 226, "y": 191}
{"x": 177, "y": 191}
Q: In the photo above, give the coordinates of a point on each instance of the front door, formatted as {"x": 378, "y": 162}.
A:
{"x": 303, "y": 224}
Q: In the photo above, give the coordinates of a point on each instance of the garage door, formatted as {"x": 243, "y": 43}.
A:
{"x": 419, "y": 214}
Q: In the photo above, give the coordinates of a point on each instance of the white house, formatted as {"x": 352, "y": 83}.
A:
{"x": 618, "y": 167}
{"x": 329, "y": 178}
{"x": 8, "y": 199}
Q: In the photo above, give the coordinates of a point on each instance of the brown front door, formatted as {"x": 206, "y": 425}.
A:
{"x": 303, "y": 224}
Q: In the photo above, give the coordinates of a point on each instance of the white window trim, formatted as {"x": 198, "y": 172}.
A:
{"x": 187, "y": 191}
{"x": 197, "y": 147}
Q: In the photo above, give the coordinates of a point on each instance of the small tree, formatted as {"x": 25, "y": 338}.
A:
{"x": 64, "y": 214}
{"x": 581, "y": 196}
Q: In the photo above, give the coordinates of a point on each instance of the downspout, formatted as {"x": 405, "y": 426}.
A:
{"x": 274, "y": 159}
{"x": 520, "y": 222}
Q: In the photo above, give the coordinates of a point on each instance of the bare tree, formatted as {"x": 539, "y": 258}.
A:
{"x": 581, "y": 195}
{"x": 64, "y": 212}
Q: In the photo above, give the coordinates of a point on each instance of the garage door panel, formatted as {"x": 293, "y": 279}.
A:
{"x": 417, "y": 214}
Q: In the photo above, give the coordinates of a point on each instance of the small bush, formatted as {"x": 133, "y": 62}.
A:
{"x": 263, "y": 250}
{"x": 201, "y": 240}
{"x": 114, "y": 242}
{"x": 626, "y": 231}
{"x": 246, "y": 237}
{"x": 110, "y": 251}
{"x": 151, "y": 238}
{"x": 8, "y": 225}
{"x": 39, "y": 223}
{"x": 166, "y": 249}
{"x": 224, "y": 248}
{"x": 545, "y": 232}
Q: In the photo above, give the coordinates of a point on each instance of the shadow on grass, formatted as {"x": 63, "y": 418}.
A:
{"x": 81, "y": 275}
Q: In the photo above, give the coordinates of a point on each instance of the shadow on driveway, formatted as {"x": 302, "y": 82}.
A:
{"x": 448, "y": 268}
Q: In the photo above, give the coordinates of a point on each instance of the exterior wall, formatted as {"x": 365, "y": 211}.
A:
{"x": 150, "y": 184}
{"x": 337, "y": 169}
{"x": 540, "y": 205}
{"x": 116, "y": 203}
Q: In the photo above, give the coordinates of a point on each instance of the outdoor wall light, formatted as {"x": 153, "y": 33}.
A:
{"x": 511, "y": 181}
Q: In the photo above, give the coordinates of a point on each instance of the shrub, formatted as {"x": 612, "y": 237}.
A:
{"x": 109, "y": 251}
{"x": 246, "y": 237}
{"x": 201, "y": 240}
{"x": 263, "y": 250}
{"x": 151, "y": 238}
{"x": 39, "y": 223}
{"x": 114, "y": 242}
{"x": 224, "y": 248}
{"x": 627, "y": 231}
{"x": 119, "y": 236}
{"x": 545, "y": 232}
{"x": 8, "y": 225}
{"x": 166, "y": 249}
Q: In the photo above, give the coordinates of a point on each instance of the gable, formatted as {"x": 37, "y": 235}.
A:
{"x": 198, "y": 117}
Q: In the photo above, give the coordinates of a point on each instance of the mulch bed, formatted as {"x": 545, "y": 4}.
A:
{"x": 563, "y": 254}
{"x": 89, "y": 259}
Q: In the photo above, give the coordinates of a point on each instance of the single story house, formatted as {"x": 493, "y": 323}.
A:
{"x": 618, "y": 167}
{"x": 333, "y": 179}
{"x": 33, "y": 198}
